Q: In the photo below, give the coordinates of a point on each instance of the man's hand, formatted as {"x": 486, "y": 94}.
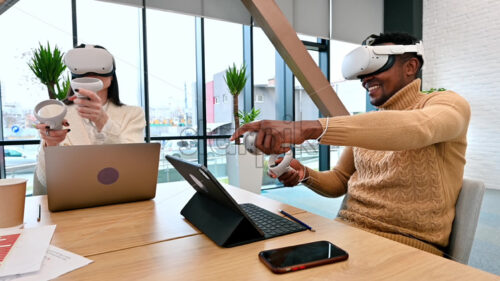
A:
{"x": 273, "y": 136}
{"x": 294, "y": 176}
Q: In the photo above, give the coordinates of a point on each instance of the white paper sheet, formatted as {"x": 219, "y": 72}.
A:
{"x": 29, "y": 250}
{"x": 56, "y": 263}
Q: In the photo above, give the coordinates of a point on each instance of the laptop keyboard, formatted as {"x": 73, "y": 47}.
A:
{"x": 270, "y": 223}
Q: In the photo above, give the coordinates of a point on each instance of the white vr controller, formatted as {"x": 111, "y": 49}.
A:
{"x": 88, "y": 83}
{"x": 276, "y": 169}
{"x": 51, "y": 112}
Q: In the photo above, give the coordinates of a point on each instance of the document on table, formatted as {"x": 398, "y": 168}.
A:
{"x": 56, "y": 263}
{"x": 27, "y": 251}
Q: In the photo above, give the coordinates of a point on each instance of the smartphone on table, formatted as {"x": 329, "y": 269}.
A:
{"x": 293, "y": 258}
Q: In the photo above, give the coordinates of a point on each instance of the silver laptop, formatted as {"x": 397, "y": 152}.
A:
{"x": 94, "y": 175}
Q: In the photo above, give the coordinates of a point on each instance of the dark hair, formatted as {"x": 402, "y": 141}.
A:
{"x": 113, "y": 92}
{"x": 398, "y": 38}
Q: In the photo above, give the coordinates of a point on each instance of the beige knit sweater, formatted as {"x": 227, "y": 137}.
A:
{"x": 403, "y": 167}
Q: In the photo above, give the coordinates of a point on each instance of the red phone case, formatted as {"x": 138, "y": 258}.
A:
{"x": 297, "y": 267}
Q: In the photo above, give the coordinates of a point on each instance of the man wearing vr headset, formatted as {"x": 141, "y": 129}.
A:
{"x": 94, "y": 117}
{"x": 402, "y": 166}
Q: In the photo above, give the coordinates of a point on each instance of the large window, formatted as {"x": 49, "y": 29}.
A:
{"x": 187, "y": 149}
{"x": 171, "y": 74}
{"x": 223, "y": 48}
{"x": 118, "y": 30}
{"x": 173, "y": 77}
{"x": 264, "y": 75}
{"x": 24, "y": 26}
{"x": 305, "y": 109}
{"x": 350, "y": 92}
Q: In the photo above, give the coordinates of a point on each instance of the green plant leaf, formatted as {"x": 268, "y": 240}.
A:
{"x": 432, "y": 90}
{"x": 247, "y": 117}
{"x": 62, "y": 92}
{"x": 236, "y": 79}
{"x": 48, "y": 66}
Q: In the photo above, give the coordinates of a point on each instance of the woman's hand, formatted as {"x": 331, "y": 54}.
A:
{"x": 52, "y": 137}
{"x": 294, "y": 176}
{"x": 273, "y": 136}
{"x": 90, "y": 107}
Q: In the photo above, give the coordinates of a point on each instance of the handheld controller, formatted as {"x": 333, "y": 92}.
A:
{"x": 51, "y": 112}
{"x": 276, "y": 169}
{"x": 88, "y": 83}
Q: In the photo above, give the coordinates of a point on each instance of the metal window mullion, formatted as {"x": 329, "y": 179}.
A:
{"x": 324, "y": 65}
{"x": 74, "y": 23}
{"x": 285, "y": 86}
{"x": 284, "y": 90}
{"x": 248, "y": 91}
{"x": 201, "y": 90}
{"x": 145, "y": 84}
{"x": 3, "y": 173}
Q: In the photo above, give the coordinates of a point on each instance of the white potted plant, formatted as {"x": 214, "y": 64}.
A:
{"x": 243, "y": 168}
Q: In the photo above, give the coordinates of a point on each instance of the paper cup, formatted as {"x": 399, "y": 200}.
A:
{"x": 12, "y": 194}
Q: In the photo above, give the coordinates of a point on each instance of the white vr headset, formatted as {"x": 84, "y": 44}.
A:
{"x": 369, "y": 60}
{"x": 89, "y": 60}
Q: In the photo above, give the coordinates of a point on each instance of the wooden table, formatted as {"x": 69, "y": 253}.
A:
{"x": 141, "y": 244}
{"x": 114, "y": 227}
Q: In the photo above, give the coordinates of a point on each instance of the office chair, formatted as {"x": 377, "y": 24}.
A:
{"x": 38, "y": 187}
{"x": 466, "y": 217}
{"x": 464, "y": 225}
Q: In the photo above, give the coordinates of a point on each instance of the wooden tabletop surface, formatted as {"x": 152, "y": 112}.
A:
{"x": 103, "y": 229}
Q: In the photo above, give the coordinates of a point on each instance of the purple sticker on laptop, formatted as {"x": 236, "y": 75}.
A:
{"x": 108, "y": 175}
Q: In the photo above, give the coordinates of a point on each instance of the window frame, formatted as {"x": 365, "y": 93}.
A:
{"x": 286, "y": 85}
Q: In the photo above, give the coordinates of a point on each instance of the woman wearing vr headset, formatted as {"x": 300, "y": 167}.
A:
{"x": 92, "y": 117}
{"x": 402, "y": 166}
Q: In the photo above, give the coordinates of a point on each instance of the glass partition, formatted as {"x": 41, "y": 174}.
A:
{"x": 172, "y": 74}
{"x": 223, "y": 47}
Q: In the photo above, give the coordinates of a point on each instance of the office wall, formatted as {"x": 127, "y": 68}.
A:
{"x": 462, "y": 40}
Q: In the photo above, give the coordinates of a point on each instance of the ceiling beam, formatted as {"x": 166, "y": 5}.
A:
{"x": 6, "y": 4}
{"x": 267, "y": 14}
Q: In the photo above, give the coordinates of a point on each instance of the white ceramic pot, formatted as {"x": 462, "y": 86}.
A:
{"x": 244, "y": 169}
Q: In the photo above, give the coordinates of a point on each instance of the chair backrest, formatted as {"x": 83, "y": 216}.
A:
{"x": 464, "y": 226}
{"x": 343, "y": 205}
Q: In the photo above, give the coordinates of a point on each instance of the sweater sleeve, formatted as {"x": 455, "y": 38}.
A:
{"x": 333, "y": 183}
{"x": 130, "y": 129}
{"x": 444, "y": 117}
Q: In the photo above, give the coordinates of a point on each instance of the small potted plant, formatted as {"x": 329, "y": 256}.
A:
{"x": 243, "y": 169}
{"x": 235, "y": 80}
{"x": 247, "y": 117}
{"x": 48, "y": 66}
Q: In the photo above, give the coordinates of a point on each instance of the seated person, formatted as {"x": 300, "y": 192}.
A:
{"x": 403, "y": 165}
{"x": 100, "y": 119}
